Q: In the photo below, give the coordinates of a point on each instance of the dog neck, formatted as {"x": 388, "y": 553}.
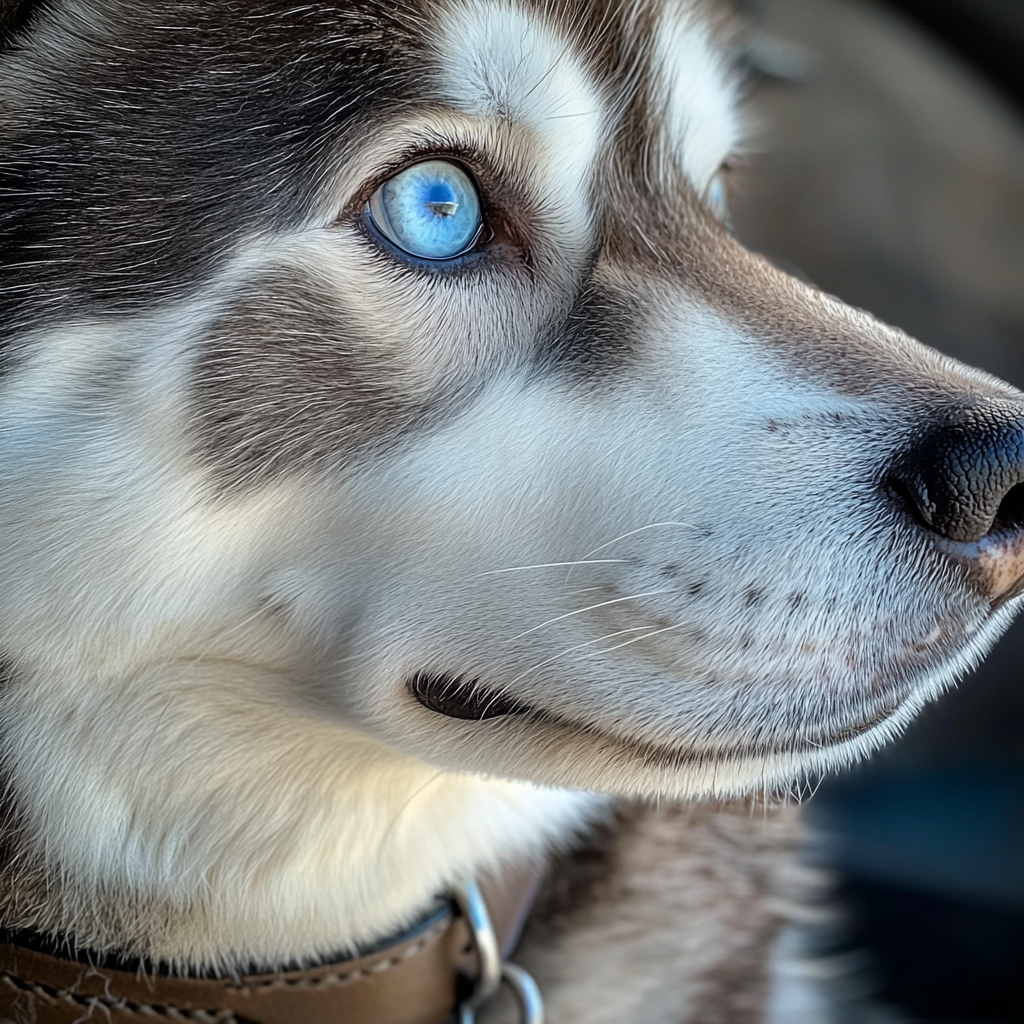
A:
{"x": 201, "y": 822}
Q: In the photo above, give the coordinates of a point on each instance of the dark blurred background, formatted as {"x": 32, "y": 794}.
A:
{"x": 889, "y": 169}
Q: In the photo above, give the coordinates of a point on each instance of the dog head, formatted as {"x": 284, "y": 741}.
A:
{"x": 395, "y": 358}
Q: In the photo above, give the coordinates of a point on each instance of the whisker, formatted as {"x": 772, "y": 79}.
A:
{"x": 637, "y": 639}
{"x": 589, "y": 608}
{"x": 569, "y": 650}
{"x": 404, "y": 808}
{"x": 623, "y": 536}
{"x": 551, "y": 565}
{"x": 575, "y": 113}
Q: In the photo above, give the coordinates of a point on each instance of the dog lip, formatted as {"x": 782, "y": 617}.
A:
{"x": 995, "y": 563}
{"x": 660, "y": 753}
{"x": 455, "y": 696}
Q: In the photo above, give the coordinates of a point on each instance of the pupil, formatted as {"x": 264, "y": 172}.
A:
{"x": 440, "y": 200}
{"x": 440, "y": 192}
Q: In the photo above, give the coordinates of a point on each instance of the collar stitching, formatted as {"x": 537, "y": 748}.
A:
{"x": 63, "y": 995}
{"x": 342, "y": 978}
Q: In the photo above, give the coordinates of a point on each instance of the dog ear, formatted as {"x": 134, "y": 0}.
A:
{"x": 14, "y": 15}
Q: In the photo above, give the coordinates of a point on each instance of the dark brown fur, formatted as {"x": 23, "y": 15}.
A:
{"x": 672, "y": 906}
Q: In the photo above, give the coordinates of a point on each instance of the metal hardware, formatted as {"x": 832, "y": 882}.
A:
{"x": 531, "y": 1005}
{"x": 493, "y": 971}
{"x": 471, "y": 903}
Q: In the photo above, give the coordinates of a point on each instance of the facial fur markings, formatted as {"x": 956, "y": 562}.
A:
{"x": 217, "y": 573}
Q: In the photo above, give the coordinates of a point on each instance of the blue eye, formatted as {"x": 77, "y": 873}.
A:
{"x": 718, "y": 197}
{"x": 430, "y": 210}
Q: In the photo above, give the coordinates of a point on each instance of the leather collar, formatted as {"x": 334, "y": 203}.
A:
{"x": 416, "y": 979}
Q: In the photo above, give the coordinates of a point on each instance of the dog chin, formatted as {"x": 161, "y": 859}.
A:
{"x": 735, "y": 771}
{"x": 596, "y": 755}
{"x": 766, "y": 771}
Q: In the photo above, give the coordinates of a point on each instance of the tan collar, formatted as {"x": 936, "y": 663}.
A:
{"x": 419, "y": 979}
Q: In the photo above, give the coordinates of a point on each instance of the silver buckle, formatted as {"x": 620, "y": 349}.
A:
{"x": 493, "y": 970}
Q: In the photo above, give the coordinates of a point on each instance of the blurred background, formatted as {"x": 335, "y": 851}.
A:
{"x": 889, "y": 170}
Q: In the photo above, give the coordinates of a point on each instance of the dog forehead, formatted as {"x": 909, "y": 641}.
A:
{"x": 218, "y": 121}
{"x": 497, "y": 58}
{"x": 566, "y": 71}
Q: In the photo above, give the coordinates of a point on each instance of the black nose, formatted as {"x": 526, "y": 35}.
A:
{"x": 965, "y": 479}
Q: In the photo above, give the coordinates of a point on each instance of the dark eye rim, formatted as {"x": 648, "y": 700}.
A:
{"x": 408, "y": 260}
{"x": 371, "y": 226}
{"x": 482, "y": 234}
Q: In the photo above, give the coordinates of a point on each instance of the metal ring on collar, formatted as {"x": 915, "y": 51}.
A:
{"x": 493, "y": 971}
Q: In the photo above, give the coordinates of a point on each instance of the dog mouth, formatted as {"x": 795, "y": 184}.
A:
{"x": 818, "y": 711}
{"x": 995, "y": 564}
{"x": 456, "y": 696}
{"x": 459, "y": 697}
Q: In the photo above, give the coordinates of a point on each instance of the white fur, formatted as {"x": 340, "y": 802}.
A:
{"x": 287, "y": 836}
{"x": 209, "y": 708}
{"x": 703, "y": 122}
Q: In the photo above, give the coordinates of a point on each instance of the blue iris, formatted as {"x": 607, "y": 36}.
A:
{"x": 430, "y": 210}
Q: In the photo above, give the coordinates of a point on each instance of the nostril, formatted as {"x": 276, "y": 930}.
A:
{"x": 906, "y": 499}
{"x": 1010, "y": 514}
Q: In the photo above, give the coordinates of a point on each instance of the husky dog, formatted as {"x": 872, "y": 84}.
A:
{"x": 397, "y": 452}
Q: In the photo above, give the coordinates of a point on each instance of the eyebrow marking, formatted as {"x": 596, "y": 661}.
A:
{"x": 501, "y": 62}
